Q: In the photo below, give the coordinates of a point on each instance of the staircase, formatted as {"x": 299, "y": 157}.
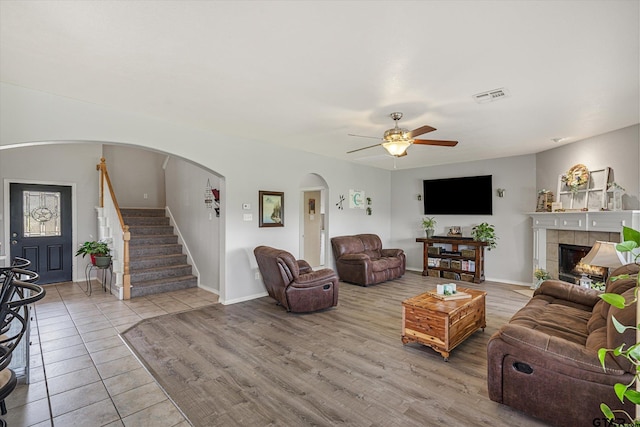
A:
{"x": 156, "y": 261}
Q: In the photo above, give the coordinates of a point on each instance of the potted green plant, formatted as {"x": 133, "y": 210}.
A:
{"x": 631, "y": 243}
{"x": 540, "y": 275}
{"x": 485, "y": 232}
{"x": 429, "y": 225}
{"x": 99, "y": 252}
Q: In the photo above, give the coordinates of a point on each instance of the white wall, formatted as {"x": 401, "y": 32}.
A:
{"x": 511, "y": 260}
{"x": 247, "y": 166}
{"x": 134, "y": 173}
{"x": 619, "y": 150}
{"x": 63, "y": 164}
{"x": 198, "y": 225}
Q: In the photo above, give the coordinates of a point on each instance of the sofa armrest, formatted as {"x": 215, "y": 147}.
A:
{"x": 568, "y": 292}
{"x": 303, "y": 266}
{"x": 315, "y": 278}
{"x": 354, "y": 258}
{"x": 391, "y": 252}
{"x": 563, "y": 355}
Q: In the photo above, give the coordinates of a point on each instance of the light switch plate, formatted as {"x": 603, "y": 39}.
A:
{"x": 247, "y": 217}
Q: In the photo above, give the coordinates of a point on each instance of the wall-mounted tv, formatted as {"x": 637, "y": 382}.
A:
{"x": 469, "y": 195}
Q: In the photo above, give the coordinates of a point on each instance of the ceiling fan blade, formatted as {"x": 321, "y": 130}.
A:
{"x": 439, "y": 142}
{"x": 363, "y": 136}
{"x": 363, "y": 148}
{"x": 421, "y": 130}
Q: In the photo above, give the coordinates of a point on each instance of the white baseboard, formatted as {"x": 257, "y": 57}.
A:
{"x": 243, "y": 299}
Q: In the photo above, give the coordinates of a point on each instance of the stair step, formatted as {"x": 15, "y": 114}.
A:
{"x": 143, "y": 263}
{"x": 142, "y": 212}
{"x": 157, "y": 264}
{"x": 158, "y": 286}
{"x": 146, "y": 220}
{"x": 155, "y": 273}
{"x": 153, "y": 239}
{"x": 141, "y": 251}
{"x": 145, "y": 230}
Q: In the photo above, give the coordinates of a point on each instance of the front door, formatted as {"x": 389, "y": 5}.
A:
{"x": 40, "y": 229}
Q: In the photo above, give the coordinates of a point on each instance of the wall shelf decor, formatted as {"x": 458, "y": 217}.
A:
{"x": 356, "y": 199}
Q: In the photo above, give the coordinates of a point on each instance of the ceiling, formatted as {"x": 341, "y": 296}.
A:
{"x": 305, "y": 74}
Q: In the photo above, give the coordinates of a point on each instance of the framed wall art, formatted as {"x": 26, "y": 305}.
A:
{"x": 271, "y": 209}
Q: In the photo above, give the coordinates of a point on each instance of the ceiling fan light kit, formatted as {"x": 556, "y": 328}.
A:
{"x": 396, "y": 140}
{"x": 396, "y": 148}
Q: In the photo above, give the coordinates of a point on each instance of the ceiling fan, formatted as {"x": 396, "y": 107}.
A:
{"x": 397, "y": 140}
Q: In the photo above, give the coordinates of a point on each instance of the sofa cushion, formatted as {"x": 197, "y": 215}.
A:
{"x": 597, "y": 339}
{"x": 556, "y": 320}
{"x": 383, "y": 264}
{"x": 597, "y": 321}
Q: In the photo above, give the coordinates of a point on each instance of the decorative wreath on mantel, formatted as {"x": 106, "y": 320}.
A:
{"x": 576, "y": 176}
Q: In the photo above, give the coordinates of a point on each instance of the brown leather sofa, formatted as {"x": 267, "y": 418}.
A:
{"x": 544, "y": 362}
{"x": 360, "y": 259}
{"x": 293, "y": 283}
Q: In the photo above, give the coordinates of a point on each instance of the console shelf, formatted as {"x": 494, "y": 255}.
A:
{"x": 457, "y": 245}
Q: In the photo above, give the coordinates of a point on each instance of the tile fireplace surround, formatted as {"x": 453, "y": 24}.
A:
{"x": 575, "y": 228}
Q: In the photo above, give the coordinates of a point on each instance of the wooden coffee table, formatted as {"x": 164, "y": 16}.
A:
{"x": 442, "y": 325}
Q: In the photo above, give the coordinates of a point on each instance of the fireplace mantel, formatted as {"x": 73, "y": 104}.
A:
{"x": 585, "y": 223}
{"x": 609, "y": 221}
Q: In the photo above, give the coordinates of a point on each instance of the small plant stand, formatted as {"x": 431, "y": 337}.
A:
{"x": 100, "y": 271}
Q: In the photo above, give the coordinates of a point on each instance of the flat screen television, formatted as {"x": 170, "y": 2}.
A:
{"x": 469, "y": 195}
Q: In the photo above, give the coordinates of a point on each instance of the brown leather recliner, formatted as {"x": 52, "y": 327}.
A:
{"x": 544, "y": 362}
{"x": 360, "y": 259}
{"x": 293, "y": 283}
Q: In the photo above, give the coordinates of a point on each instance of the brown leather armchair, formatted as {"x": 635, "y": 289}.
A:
{"x": 360, "y": 259}
{"x": 293, "y": 283}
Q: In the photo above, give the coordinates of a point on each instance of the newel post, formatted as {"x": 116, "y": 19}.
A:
{"x": 101, "y": 167}
{"x": 126, "y": 278}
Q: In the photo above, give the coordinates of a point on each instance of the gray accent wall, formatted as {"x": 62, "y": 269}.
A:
{"x": 619, "y": 150}
{"x": 511, "y": 260}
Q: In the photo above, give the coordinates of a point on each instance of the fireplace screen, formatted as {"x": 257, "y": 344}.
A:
{"x": 570, "y": 269}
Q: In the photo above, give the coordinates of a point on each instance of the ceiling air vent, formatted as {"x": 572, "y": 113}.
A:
{"x": 491, "y": 95}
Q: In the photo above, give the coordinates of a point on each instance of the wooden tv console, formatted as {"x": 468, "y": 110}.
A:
{"x": 457, "y": 244}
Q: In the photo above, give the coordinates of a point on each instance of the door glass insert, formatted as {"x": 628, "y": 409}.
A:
{"x": 41, "y": 212}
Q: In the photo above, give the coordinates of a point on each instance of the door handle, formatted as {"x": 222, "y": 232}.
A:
{"x": 14, "y": 242}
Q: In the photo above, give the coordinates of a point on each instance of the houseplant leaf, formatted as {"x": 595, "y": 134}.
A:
{"x": 631, "y": 235}
{"x": 615, "y": 300}
{"x": 606, "y": 411}
{"x": 620, "y": 390}
{"x": 633, "y": 396}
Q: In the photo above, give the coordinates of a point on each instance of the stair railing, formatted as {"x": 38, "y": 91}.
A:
{"x": 120, "y": 240}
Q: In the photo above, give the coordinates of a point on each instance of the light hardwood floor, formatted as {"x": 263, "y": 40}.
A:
{"x": 252, "y": 363}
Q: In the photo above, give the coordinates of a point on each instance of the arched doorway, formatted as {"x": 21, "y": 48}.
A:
{"x": 73, "y": 163}
{"x": 313, "y": 230}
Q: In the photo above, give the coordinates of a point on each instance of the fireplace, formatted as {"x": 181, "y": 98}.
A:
{"x": 570, "y": 269}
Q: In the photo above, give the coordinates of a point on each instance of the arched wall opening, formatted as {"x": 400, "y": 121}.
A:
{"x": 314, "y": 217}
{"x": 73, "y": 162}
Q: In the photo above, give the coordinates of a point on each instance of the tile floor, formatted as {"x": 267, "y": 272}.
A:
{"x": 82, "y": 373}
